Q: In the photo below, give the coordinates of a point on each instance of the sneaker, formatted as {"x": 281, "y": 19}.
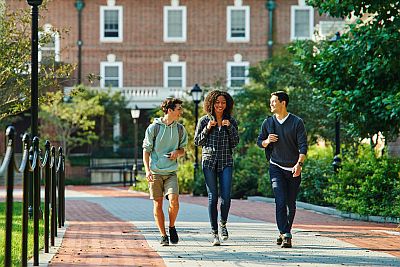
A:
{"x": 279, "y": 240}
{"x": 224, "y": 231}
{"x": 216, "y": 241}
{"x": 164, "y": 241}
{"x": 173, "y": 235}
{"x": 287, "y": 242}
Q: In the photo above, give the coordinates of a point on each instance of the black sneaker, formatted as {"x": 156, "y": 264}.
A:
{"x": 224, "y": 231}
{"x": 287, "y": 242}
{"x": 164, "y": 241}
{"x": 173, "y": 235}
{"x": 279, "y": 240}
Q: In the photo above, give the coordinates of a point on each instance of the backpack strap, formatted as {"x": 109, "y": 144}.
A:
{"x": 157, "y": 130}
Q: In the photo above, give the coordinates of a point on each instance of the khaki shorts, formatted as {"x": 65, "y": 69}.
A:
{"x": 163, "y": 185}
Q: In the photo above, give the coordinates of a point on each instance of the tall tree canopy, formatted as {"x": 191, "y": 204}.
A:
{"x": 357, "y": 76}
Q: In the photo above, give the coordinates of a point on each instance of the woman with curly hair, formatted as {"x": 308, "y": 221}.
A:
{"x": 217, "y": 133}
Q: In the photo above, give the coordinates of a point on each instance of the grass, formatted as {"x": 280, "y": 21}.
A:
{"x": 17, "y": 234}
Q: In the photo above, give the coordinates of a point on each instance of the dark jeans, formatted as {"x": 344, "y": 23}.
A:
{"x": 225, "y": 184}
{"x": 285, "y": 188}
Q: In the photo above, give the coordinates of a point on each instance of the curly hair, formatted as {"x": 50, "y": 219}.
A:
{"x": 211, "y": 98}
{"x": 170, "y": 103}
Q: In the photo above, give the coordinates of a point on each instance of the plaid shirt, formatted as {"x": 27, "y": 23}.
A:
{"x": 216, "y": 144}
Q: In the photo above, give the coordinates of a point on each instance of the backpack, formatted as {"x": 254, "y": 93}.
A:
{"x": 157, "y": 130}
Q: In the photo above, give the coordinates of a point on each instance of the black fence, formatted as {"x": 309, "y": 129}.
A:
{"x": 48, "y": 170}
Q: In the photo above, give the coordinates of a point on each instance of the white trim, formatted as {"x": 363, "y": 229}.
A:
{"x": 174, "y": 64}
{"x": 293, "y": 10}
{"x": 184, "y": 24}
{"x": 120, "y": 24}
{"x": 231, "y": 64}
{"x": 105, "y": 64}
{"x": 229, "y": 37}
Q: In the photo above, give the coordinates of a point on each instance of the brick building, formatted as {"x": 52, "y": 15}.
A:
{"x": 151, "y": 49}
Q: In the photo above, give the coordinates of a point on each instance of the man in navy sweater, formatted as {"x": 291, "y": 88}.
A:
{"x": 284, "y": 138}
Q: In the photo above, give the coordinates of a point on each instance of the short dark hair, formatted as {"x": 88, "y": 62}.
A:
{"x": 170, "y": 103}
{"x": 211, "y": 98}
{"x": 282, "y": 96}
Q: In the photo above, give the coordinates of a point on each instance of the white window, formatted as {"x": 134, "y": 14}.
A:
{"x": 111, "y": 74}
{"x": 111, "y": 26}
{"x": 49, "y": 47}
{"x": 174, "y": 24}
{"x": 237, "y": 74}
{"x": 174, "y": 74}
{"x": 301, "y": 22}
{"x": 238, "y": 24}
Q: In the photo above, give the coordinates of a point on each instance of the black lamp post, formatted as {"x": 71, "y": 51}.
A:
{"x": 135, "y": 113}
{"x": 79, "y": 5}
{"x": 196, "y": 96}
{"x": 270, "y": 5}
{"x": 336, "y": 159}
{"x": 35, "y": 189}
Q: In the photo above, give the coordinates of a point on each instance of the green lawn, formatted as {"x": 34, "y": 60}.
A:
{"x": 17, "y": 234}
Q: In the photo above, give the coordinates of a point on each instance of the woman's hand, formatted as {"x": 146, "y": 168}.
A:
{"x": 211, "y": 124}
{"x": 225, "y": 123}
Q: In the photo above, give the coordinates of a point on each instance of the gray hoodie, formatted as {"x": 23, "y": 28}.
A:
{"x": 167, "y": 140}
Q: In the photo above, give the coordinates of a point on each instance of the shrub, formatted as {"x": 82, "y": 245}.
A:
{"x": 367, "y": 186}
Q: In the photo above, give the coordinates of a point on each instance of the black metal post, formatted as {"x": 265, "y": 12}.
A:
{"x": 36, "y": 201}
{"x": 26, "y": 175}
{"x": 79, "y": 5}
{"x": 196, "y": 151}
{"x": 34, "y": 81}
{"x": 135, "y": 168}
{"x": 47, "y": 197}
{"x": 9, "y": 159}
{"x": 53, "y": 201}
{"x": 336, "y": 159}
{"x": 271, "y": 5}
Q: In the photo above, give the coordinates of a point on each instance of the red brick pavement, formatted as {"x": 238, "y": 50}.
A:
{"x": 366, "y": 235}
{"x": 94, "y": 237}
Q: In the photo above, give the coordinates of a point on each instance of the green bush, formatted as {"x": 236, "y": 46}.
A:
{"x": 77, "y": 180}
{"x": 315, "y": 175}
{"x": 367, "y": 185}
{"x": 83, "y": 160}
{"x": 249, "y": 176}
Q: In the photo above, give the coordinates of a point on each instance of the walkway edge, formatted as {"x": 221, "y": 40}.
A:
{"x": 45, "y": 258}
{"x": 332, "y": 211}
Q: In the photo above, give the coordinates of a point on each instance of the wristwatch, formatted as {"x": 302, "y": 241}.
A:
{"x": 300, "y": 163}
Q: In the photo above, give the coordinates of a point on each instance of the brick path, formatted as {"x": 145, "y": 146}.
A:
{"x": 367, "y": 235}
{"x": 97, "y": 237}
{"x": 94, "y": 237}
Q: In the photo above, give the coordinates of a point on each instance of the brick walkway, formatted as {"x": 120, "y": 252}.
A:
{"x": 366, "y": 235}
{"x": 94, "y": 237}
{"x": 97, "y": 237}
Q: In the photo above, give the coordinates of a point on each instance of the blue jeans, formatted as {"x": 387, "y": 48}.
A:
{"x": 225, "y": 184}
{"x": 285, "y": 188}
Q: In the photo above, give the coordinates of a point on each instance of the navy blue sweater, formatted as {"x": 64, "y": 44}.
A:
{"x": 292, "y": 139}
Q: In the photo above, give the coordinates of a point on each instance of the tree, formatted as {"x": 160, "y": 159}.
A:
{"x": 280, "y": 73}
{"x": 357, "y": 76}
{"x": 15, "y": 51}
{"x": 72, "y": 119}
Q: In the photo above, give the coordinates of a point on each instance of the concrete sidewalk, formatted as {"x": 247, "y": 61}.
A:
{"x": 114, "y": 227}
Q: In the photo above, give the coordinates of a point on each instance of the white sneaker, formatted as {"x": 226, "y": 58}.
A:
{"x": 216, "y": 241}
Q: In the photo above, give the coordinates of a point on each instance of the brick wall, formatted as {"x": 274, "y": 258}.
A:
{"x": 143, "y": 51}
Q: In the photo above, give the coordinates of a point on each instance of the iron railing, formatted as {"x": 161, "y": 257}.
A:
{"x": 49, "y": 169}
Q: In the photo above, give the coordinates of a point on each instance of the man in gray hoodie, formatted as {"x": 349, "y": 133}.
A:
{"x": 163, "y": 144}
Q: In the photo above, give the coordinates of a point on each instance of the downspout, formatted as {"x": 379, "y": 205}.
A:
{"x": 270, "y": 5}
